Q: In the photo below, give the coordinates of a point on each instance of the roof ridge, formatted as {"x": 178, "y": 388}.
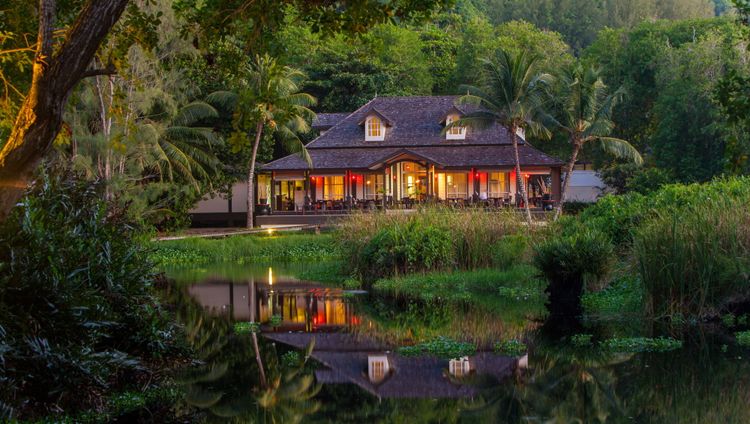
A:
{"x": 339, "y": 123}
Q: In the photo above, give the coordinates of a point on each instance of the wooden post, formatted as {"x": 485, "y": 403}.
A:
{"x": 272, "y": 200}
{"x": 555, "y": 174}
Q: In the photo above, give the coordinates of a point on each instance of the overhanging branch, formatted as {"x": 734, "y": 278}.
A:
{"x": 109, "y": 70}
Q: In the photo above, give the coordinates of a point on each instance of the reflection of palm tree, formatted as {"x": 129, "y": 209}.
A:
{"x": 226, "y": 382}
{"x": 259, "y": 360}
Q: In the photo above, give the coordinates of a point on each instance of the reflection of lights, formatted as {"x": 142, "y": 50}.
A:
{"x": 270, "y": 276}
{"x": 269, "y": 231}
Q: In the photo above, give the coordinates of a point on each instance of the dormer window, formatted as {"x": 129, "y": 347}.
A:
{"x": 454, "y": 133}
{"x": 374, "y": 129}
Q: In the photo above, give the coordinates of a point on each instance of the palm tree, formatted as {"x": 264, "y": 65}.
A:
{"x": 269, "y": 100}
{"x": 179, "y": 147}
{"x": 584, "y": 113}
{"x": 513, "y": 95}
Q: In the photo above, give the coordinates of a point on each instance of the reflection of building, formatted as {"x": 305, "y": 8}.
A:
{"x": 351, "y": 360}
{"x": 301, "y": 305}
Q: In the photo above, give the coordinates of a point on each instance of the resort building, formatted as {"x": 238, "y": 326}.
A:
{"x": 394, "y": 152}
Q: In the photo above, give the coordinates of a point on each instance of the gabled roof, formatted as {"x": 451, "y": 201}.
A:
{"x": 415, "y": 121}
{"x": 374, "y": 111}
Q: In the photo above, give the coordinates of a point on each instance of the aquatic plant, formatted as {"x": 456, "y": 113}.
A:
{"x": 246, "y": 327}
{"x": 511, "y": 347}
{"x": 641, "y": 344}
{"x": 743, "y": 338}
{"x": 581, "y": 340}
{"x": 621, "y": 299}
{"x": 441, "y": 347}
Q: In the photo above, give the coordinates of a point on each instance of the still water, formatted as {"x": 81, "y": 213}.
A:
{"x": 354, "y": 373}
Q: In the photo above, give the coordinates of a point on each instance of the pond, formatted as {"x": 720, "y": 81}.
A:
{"x": 358, "y": 371}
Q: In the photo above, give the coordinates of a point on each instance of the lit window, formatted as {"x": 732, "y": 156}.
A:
{"x": 459, "y": 367}
{"x": 374, "y": 128}
{"x": 454, "y": 133}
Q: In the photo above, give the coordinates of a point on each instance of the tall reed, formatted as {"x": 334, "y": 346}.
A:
{"x": 696, "y": 259}
{"x": 473, "y": 232}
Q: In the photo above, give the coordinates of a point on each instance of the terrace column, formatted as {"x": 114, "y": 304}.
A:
{"x": 555, "y": 174}
{"x": 272, "y": 200}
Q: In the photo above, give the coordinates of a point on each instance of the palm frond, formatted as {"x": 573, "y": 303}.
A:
{"x": 620, "y": 148}
{"x": 194, "y": 112}
{"x": 224, "y": 99}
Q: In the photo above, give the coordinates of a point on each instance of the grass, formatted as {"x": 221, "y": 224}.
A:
{"x": 464, "y": 286}
{"x": 245, "y": 249}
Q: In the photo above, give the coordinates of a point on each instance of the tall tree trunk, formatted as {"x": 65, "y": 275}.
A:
{"x": 519, "y": 177}
{"x": 251, "y": 176}
{"x": 568, "y": 173}
{"x": 53, "y": 77}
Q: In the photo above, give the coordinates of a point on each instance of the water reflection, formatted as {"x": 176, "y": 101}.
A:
{"x": 300, "y": 305}
{"x": 362, "y": 379}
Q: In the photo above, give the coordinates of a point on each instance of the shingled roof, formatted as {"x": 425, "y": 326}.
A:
{"x": 416, "y": 125}
{"x": 344, "y": 358}
{"x": 324, "y": 121}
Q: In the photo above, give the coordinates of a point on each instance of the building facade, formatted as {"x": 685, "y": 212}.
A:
{"x": 396, "y": 152}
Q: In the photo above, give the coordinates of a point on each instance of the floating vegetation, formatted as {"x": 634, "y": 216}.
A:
{"x": 519, "y": 293}
{"x": 275, "y": 320}
{"x": 510, "y": 347}
{"x": 642, "y": 344}
{"x": 581, "y": 340}
{"x": 442, "y": 347}
{"x": 743, "y": 338}
{"x": 246, "y": 327}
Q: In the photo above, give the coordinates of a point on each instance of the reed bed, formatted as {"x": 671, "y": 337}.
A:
{"x": 695, "y": 260}
{"x": 469, "y": 235}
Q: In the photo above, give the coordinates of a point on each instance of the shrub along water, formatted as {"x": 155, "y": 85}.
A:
{"x": 689, "y": 245}
{"x": 77, "y": 316}
{"x": 382, "y": 244}
{"x": 568, "y": 262}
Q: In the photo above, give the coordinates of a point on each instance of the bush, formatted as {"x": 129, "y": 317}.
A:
{"x": 586, "y": 254}
{"x": 619, "y": 216}
{"x": 401, "y": 249}
{"x": 510, "y": 250}
{"x": 76, "y": 309}
{"x": 569, "y": 262}
{"x": 575, "y": 207}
